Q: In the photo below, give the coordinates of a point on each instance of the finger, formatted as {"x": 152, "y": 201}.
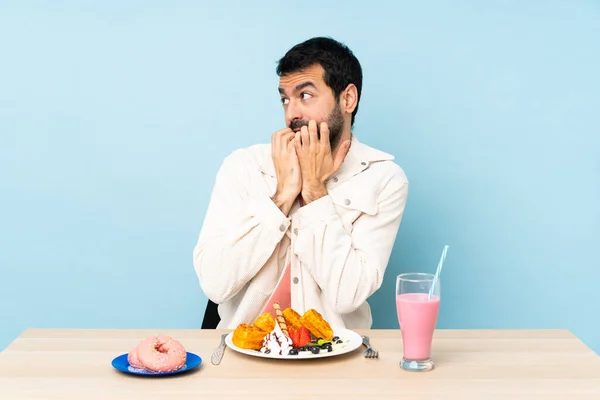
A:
{"x": 325, "y": 135}
{"x": 274, "y": 144}
{"x": 341, "y": 155}
{"x": 285, "y": 141}
{"x": 276, "y": 139}
{"x": 291, "y": 143}
{"x": 297, "y": 142}
{"x": 283, "y": 131}
{"x": 304, "y": 136}
{"x": 313, "y": 139}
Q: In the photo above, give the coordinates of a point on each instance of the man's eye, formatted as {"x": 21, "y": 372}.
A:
{"x": 306, "y": 96}
{"x": 284, "y": 101}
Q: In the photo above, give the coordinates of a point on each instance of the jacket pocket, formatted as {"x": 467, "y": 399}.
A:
{"x": 350, "y": 205}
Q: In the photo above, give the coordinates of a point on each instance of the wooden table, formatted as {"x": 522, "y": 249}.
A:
{"x": 470, "y": 364}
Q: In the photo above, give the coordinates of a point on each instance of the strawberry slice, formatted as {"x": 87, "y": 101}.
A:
{"x": 303, "y": 337}
{"x": 294, "y": 334}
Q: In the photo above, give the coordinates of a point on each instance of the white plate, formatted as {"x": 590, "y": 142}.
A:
{"x": 351, "y": 339}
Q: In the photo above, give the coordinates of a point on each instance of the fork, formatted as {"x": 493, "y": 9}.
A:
{"x": 369, "y": 352}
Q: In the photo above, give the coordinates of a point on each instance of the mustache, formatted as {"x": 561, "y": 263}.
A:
{"x": 297, "y": 124}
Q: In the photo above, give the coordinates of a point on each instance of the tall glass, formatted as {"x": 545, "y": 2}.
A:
{"x": 417, "y": 315}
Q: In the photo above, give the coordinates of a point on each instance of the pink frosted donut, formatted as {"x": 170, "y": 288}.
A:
{"x": 161, "y": 354}
{"x": 133, "y": 359}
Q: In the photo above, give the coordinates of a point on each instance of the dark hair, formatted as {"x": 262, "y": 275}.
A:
{"x": 341, "y": 66}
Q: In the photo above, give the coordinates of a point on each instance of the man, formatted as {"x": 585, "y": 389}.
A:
{"x": 310, "y": 220}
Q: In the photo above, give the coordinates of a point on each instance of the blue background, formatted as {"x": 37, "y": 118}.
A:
{"x": 115, "y": 116}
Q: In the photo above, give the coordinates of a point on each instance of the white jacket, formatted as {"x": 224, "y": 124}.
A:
{"x": 338, "y": 245}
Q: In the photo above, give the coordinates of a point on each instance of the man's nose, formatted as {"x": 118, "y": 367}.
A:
{"x": 292, "y": 112}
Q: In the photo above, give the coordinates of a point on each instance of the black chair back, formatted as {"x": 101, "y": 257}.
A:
{"x": 211, "y": 316}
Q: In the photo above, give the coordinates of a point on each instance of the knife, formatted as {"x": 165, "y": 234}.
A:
{"x": 218, "y": 354}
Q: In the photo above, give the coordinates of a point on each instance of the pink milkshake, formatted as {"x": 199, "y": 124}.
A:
{"x": 417, "y": 316}
{"x": 418, "y": 305}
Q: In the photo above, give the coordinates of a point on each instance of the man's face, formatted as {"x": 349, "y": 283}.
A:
{"x": 305, "y": 97}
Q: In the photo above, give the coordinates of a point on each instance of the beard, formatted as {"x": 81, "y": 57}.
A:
{"x": 335, "y": 122}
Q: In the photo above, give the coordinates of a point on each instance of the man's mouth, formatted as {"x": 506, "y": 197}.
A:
{"x": 297, "y": 129}
{"x": 297, "y": 125}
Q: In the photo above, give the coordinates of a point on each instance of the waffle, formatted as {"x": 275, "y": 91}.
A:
{"x": 292, "y": 318}
{"x": 314, "y": 322}
{"x": 248, "y": 337}
{"x": 265, "y": 322}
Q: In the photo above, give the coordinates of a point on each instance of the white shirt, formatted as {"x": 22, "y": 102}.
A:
{"x": 338, "y": 246}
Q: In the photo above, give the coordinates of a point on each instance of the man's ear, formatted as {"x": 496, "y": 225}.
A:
{"x": 349, "y": 99}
